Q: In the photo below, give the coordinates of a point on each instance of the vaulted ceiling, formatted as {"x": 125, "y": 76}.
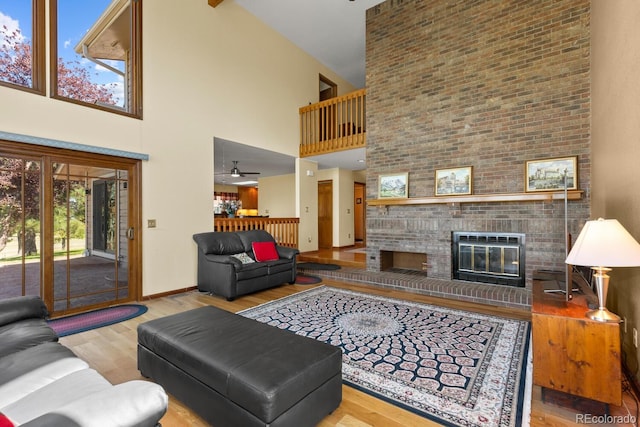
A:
{"x": 333, "y": 32}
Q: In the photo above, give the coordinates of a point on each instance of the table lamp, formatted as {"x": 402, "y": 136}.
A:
{"x": 604, "y": 243}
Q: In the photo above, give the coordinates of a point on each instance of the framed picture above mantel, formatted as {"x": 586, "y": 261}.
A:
{"x": 393, "y": 186}
{"x": 454, "y": 181}
{"x": 549, "y": 174}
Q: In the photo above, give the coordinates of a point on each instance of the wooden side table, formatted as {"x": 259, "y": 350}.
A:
{"x": 572, "y": 353}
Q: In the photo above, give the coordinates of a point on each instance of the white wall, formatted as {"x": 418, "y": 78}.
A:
{"x": 344, "y": 213}
{"x": 307, "y": 204}
{"x": 225, "y": 188}
{"x": 360, "y": 176}
{"x": 277, "y": 196}
{"x": 206, "y": 72}
{"x": 615, "y": 46}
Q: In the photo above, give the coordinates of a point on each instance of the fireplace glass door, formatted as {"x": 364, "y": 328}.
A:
{"x": 501, "y": 260}
{"x": 496, "y": 258}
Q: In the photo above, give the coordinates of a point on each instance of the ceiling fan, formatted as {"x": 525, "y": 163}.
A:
{"x": 235, "y": 172}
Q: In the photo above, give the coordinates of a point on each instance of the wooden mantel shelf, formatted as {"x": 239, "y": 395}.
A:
{"x": 480, "y": 198}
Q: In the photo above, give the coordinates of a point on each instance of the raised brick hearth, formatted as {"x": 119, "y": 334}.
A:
{"x": 503, "y": 296}
{"x": 484, "y": 84}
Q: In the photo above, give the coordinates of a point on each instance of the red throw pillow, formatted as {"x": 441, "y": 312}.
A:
{"x": 5, "y": 422}
{"x": 265, "y": 251}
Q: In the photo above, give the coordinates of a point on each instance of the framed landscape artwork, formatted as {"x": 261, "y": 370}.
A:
{"x": 455, "y": 181}
{"x": 393, "y": 186}
{"x": 548, "y": 174}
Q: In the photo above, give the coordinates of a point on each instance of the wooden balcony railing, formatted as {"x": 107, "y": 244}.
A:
{"x": 284, "y": 230}
{"x": 333, "y": 125}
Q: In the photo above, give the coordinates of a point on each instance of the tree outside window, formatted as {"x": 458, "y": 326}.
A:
{"x": 102, "y": 37}
{"x": 19, "y": 37}
{"x": 80, "y": 76}
{"x": 94, "y": 48}
{"x": 20, "y": 203}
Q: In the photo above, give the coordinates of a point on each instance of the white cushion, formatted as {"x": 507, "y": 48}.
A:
{"x": 134, "y": 403}
{"x": 244, "y": 258}
{"x": 26, "y": 384}
{"x": 69, "y": 388}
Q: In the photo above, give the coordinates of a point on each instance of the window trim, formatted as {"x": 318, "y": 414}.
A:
{"x": 134, "y": 67}
{"x": 38, "y": 49}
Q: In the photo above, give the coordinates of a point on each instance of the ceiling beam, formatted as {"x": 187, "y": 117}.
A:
{"x": 214, "y": 3}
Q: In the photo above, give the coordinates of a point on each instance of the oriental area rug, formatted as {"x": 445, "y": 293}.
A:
{"x": 455, "y": 367}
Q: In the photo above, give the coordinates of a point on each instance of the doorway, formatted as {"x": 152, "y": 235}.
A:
{"x": 328, "y": 89}
{"x": 327, "y": 113}
{"x": 325, "y": 214}
{"x": 359, "y": 212}
{"x": 69, "y": 237}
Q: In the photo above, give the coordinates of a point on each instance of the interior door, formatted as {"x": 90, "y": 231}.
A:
{"x": 359, "y": 212}
{"x": 328, "y": 89}
{"x": 325, "y": 214}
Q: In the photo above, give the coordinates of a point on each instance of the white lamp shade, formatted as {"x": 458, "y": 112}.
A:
{"x": 605, "y": 243}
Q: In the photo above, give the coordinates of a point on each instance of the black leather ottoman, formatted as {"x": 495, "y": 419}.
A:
{"x": 235, "y": 371}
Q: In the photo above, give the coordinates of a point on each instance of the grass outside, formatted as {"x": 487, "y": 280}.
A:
{"x": 11, "y": 253}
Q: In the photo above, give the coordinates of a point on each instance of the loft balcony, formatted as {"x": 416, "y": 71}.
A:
{"x": 333, "y": 125}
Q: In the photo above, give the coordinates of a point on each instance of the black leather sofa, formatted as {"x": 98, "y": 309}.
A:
{"x": 43, "y": 383}
{"x": 227, "y": 264}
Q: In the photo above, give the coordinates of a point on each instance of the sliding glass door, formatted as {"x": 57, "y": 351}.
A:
{"x": 90, "y": 221}
{"x": 69, "y": 225}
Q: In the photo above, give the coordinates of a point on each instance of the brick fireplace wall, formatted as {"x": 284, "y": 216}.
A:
{"x": 489, "y": 84}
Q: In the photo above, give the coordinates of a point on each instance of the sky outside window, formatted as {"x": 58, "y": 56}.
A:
{"x": 75, "y": 18}
{"x": 15, "y": 15}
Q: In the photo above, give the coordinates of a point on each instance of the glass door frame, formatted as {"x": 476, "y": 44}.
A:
{"x": 50, "y": 156}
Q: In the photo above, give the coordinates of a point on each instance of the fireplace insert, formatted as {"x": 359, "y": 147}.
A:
{"x": 496, "y": 258}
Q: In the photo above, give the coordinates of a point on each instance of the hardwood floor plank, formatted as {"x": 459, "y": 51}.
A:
{"x": 112, "y": 351}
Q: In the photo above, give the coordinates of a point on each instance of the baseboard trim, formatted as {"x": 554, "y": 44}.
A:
{"x": 169, "y": 293}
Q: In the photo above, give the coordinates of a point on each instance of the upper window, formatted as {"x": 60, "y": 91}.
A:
{"x": 22, "y": 44}
{"x": 96, "y": 47}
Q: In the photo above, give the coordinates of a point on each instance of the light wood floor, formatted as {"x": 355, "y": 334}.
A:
{"x": 112, "y": 351}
